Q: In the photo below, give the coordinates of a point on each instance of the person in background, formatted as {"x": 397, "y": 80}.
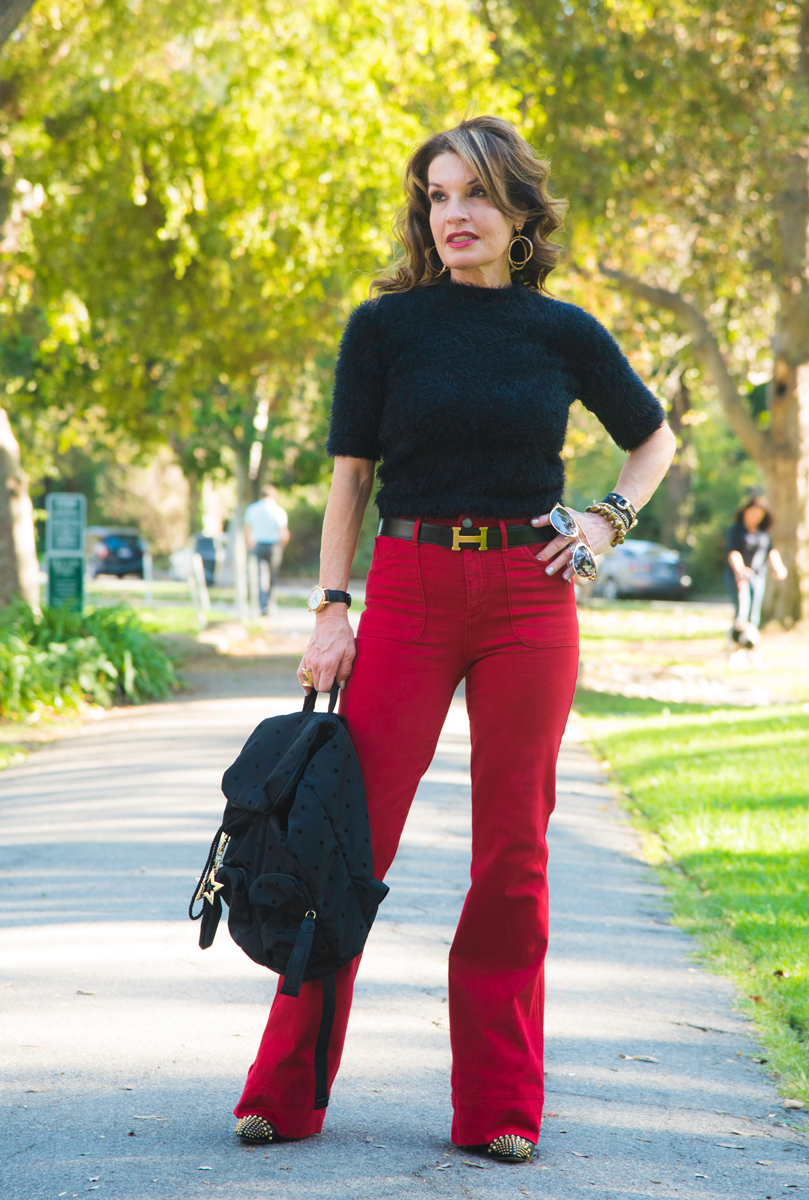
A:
{"x": 266, "y": 528}
{"x": 750, "y": 552}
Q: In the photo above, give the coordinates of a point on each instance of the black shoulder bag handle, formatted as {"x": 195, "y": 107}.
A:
{"x": 311, "y": 698}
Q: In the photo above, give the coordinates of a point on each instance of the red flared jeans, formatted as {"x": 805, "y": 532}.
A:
{"x": 434, "y": 617}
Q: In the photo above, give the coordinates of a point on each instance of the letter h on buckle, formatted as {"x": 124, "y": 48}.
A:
{"x": 480, "y": 538}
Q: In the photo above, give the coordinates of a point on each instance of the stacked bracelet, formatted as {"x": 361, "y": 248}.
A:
{"x": 620, "y": 514}
{"x": 625, "y": 508}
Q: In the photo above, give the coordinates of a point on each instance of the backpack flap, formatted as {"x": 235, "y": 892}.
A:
{"x": 282, "y": 783}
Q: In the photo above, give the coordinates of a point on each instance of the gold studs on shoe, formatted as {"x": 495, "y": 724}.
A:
{"x": 510, "y": 1149}
{"x": 256, "y": 1131}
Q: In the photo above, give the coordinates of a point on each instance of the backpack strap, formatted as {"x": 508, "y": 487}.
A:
{"x": 309, "y": 702}
{"x": 322, "y": 1043}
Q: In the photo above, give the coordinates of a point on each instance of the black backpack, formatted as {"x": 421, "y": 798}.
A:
{"x": 292, "y": 858}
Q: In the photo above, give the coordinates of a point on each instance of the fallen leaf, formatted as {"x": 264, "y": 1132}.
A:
{"x": 467, "y": 1163}
{"x": 286, "y": 1168}
{"x": 757, "y": 999}
{"x": 79, "y": 992}
{"x": 204, "y": 1168}
{"x": 730, "y": 1145}
{"x": 550, "y": 1114}
{"x": 701, "y": 1176}
{"x": 93, "y": 1178}
{"x": 442, "y": 1166}
{"x": 148, "y": 1117}
{"x": 126, "y": 1087}
{"x": 781, "y": 974}
{"x": 639, "y": 1058}
{"x": 763, "y": 1162}
{"x": 579, "y": 1154}
{"x": 793, "y": 1104}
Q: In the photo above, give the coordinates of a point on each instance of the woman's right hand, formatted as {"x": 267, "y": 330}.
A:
{"x": 331, "y": 650}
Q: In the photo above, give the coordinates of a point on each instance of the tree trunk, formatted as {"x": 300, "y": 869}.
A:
{"x": 194, "y": 481}
{"x": 11, "y": 13}
{"x": 678, "y": 481}
{"x": 786, "y": 467}
{"x": 19, "y": 570}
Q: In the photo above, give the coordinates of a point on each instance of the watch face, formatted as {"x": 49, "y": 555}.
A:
{"x": 316, "y": 598}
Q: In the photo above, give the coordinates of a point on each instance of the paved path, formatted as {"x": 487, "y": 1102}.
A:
{"x": 125, "y": 1046}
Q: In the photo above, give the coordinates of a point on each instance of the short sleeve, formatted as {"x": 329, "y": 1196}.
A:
{"x": 359, "y": 383}
{"x": 736, "y": 539}
{"x": 611, "y": 390}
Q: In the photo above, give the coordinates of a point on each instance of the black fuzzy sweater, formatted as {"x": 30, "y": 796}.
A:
{"x": 463, "y": 393}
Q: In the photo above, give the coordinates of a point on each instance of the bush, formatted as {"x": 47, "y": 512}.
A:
{"x": 61, "y": 659}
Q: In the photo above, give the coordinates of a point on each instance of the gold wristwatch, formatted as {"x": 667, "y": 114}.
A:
{"x": 319, "y": 597}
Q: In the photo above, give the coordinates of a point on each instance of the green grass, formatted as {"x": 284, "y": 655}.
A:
{"x": 722, "y": 796}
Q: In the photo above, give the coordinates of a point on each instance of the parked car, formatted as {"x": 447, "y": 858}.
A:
{"x": 637, "y": 569}
{"x": 114, "y": 551}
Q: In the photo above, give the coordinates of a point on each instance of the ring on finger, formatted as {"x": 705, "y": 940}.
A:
{"x": 307, "y": 678}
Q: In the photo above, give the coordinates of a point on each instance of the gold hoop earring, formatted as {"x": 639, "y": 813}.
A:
{"x": 518, "y": 266}
{"x": 444, "y": 267}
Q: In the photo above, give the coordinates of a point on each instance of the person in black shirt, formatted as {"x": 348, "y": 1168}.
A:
{"x": 750, "y": 552}
{"x": 458, "y": 378}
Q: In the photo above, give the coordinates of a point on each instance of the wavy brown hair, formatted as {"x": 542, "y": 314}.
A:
{"x": 516, "y": 180}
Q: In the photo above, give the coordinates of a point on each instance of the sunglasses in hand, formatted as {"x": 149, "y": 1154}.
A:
{"x": 583, "y": 560}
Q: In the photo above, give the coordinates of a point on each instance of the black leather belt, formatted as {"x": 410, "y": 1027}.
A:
{"x": 466, "y": 537}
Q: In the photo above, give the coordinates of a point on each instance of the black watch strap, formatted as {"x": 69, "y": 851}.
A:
{"x": 331, "y": 595}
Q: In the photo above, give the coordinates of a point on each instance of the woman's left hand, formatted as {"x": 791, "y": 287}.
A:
{"x": 558, "y": 554}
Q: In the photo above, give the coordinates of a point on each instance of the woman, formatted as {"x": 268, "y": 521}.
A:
{"x": 458, "y": 377}
{"x": 750, "y": 552}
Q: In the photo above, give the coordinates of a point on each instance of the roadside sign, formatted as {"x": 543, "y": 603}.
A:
{"x": 64, "y": 546}
{"x": 65, "y": 580}
{"x": 67, "y": 521}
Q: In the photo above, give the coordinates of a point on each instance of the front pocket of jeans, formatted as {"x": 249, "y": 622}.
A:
{"x": 542, "y": 607}
{"x": 394, "y": 594}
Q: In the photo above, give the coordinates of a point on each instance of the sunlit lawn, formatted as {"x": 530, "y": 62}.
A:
{"x": 723, "y": 796}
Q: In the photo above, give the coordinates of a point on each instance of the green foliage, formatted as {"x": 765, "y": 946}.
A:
{"x": 61, "y": 659}
{"x": 725, "y": 793}
{"x": 201, "y": 193}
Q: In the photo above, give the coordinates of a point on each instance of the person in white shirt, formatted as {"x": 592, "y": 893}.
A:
{"x": 266, "y": 528}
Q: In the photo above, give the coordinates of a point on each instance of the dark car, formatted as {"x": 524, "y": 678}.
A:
{"x": 637, "y": 569}
{"x": 112, "y": 551}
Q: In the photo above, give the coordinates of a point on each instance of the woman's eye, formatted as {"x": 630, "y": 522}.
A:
{"x": 478, "y": 191}
{"x": 435, "y": 197}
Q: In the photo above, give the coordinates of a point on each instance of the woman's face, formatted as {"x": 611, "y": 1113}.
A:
{"x": 471, "y": 235}
{"x": 752, "y": 517}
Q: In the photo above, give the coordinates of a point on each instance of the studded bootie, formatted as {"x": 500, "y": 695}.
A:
{"x": 509, "y": 1148}
{"x": 255, "y": 1131}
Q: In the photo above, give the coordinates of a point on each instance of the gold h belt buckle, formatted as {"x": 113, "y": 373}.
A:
{"x": 480, "y": 538}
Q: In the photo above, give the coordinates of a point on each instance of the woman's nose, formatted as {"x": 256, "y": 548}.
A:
{"x": 457, "y": 210}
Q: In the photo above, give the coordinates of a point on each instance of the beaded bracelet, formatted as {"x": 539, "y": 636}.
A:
{"x": 615, "y": 518}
